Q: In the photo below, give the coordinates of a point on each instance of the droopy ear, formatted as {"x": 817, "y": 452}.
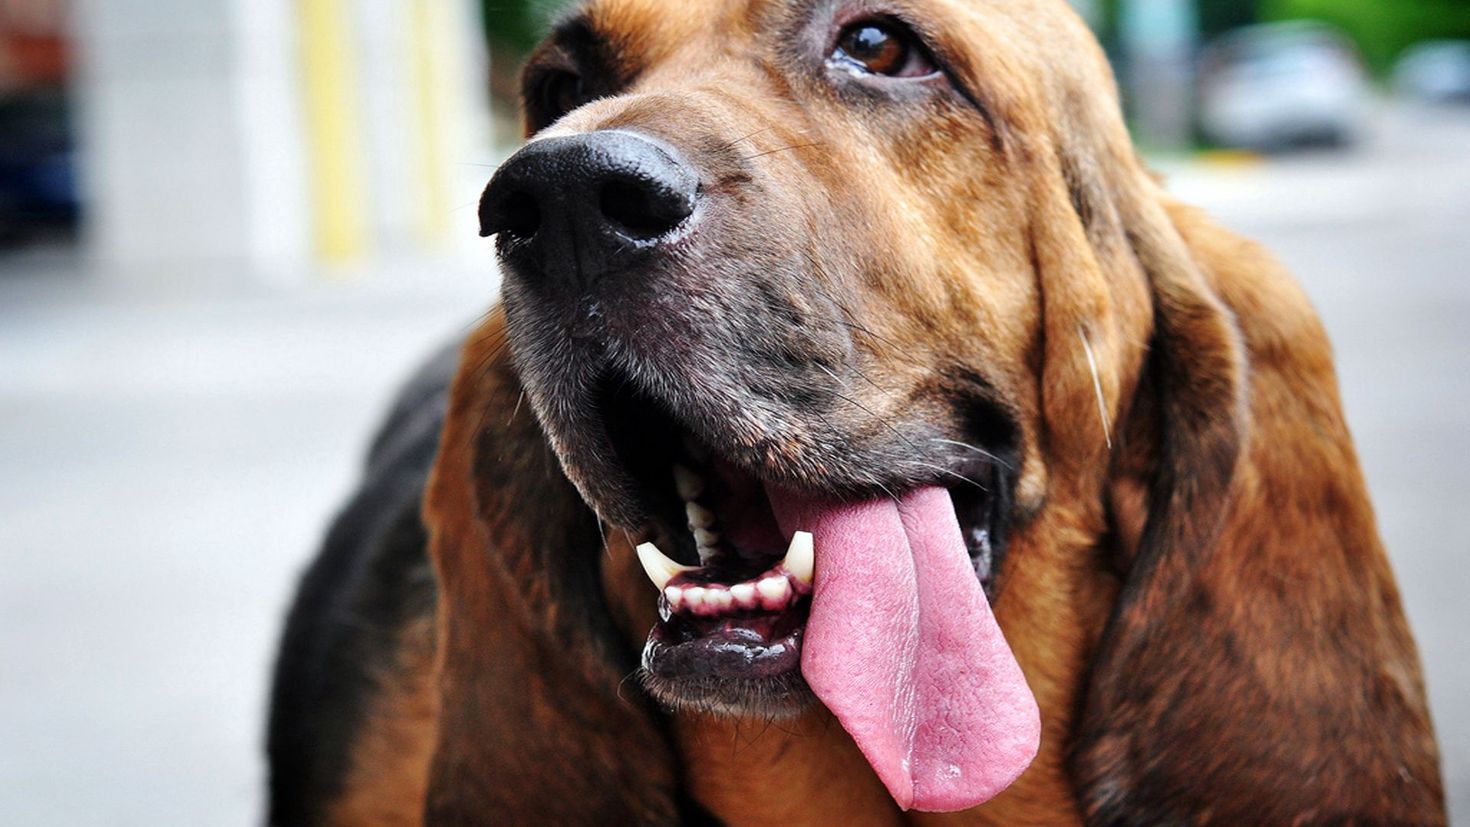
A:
{"x": 532, "y": 725}
{"x": 1257, "y": 668}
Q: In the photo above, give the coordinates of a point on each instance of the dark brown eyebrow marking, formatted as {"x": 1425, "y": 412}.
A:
{"x": 592, "y": 50}
{"x": 574, "y": 46}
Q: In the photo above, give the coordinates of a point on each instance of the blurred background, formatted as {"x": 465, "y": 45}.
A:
{"x": 229, "y": 227}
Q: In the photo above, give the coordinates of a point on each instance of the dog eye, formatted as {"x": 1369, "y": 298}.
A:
{"x": 882, "y": 47}
{"x": 560, "y": 93}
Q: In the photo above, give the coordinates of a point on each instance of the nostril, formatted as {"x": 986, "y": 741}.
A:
{"x": 644, "y": 209}
{"x": 516, "y": 215}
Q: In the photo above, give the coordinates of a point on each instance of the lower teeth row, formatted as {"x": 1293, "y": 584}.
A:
{"x": 775, "y": 590}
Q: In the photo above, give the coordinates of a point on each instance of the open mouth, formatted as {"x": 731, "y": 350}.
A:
{"x": 731, "y": 619}
{"x": 871, "y": 603}
{"x": 734, "y": 581}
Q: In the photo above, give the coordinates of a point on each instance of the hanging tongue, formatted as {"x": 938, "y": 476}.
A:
{"x": 903, "y": 649}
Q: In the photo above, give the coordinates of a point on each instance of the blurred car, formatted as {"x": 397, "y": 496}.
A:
{"x": 1282, "y": 85}
{"x": 38, "y": 190}
{"x": 1436, "y": 71}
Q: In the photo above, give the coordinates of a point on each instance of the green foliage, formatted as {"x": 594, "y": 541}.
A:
{"x": 1381, "y": 28}
{"x": 1217, "y": 17}
{"x": 518, "y": 24}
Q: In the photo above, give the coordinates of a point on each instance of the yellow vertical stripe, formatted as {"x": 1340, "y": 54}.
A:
{"x": 430, "y": 54}
{"x": 334, "y": 151}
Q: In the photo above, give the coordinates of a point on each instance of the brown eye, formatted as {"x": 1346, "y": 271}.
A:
{"x": 881, "y": 47}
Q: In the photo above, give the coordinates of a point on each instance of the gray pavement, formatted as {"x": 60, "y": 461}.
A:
{"x": 168, "y": 461}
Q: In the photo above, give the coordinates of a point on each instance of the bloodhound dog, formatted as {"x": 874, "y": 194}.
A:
{"x": 978, "y": 480}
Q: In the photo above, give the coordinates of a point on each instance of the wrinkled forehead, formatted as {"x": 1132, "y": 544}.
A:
{"x": 632, "y": 38}
{"x": 650, "y": 23}
{"x": 653, "y": 28}
{"x": 1026, "y": 51}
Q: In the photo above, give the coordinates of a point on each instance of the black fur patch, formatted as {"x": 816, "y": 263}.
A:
{"x": 370, "y": 579}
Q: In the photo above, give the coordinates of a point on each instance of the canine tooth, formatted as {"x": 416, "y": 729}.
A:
{"x": 799, "y": 560}
{"x": 774, "y": 588}
{"x": 743, "y": 593}
{"x": 689, "y": 484}
{"x": 660, "y": 569}
{"x": 699, "y": 516}
{"x": 704, "y": 538}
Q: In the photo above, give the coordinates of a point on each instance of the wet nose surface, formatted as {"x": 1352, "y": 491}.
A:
{"x": 569, "y": 208}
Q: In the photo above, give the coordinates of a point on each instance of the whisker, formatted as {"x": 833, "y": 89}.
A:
{"x": 466, "y": 206}
{"x": 867, "y": 332}
{"x": 782, "y": 149}
{"x": 519, "y": 399}
{"x": 863, "y": 376}
{"x": 880, "y": 420}
{"x": 626, "y": 678}
{"x": 941, "y": 469}
{"x": 977, "y": 449}
{"x": 851, "y": 322}
{"x": 1102, "y": 404}
{"x": 482, "y": 370}
{"x": 480, "y": 319}
{"x": 885, "y": 489}
{"x": 834, "y": 430}
{"x": 747, "y": 137}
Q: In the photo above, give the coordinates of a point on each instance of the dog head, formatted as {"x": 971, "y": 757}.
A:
{"x": 882, "y": 276}
{"x": 770, "y": 266}
{"x": 794, "y": 244}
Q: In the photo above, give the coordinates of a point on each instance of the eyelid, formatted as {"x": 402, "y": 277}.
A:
{"x": 916, "y": 42}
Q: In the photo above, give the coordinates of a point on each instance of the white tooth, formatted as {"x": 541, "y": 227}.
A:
{"x": 674, "y": 595}
{"x": 743, "y": 593}
{"x": 699, "y": 516}
{"x": 659, "y": 568}
{"x": 774, "y": 589}
{"x": 689, "y": 484}
{"x": 717, "y": 597}
{"x": 694, "y": 597}
{"x": 799, "y": 557}
{"x": 704, "y": 538}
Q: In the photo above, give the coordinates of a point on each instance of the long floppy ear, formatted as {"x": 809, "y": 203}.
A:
{"x": 532, "y": 725}
{"x": 1257, "y": 667}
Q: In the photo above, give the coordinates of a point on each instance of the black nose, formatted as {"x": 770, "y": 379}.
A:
{"x": 573, "y": 206}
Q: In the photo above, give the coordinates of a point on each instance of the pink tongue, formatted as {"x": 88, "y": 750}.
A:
{"x": 904, "y": 650}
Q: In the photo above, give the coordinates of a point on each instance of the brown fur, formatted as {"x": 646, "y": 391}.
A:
{"x": 1194, "y": 588}
{"x": 389, "y": 777}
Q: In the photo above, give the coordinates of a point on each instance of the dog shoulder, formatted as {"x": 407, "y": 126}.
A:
{"x": 353, "y": 664}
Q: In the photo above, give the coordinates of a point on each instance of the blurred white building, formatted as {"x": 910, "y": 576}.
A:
{"x": 274, "y": 136}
